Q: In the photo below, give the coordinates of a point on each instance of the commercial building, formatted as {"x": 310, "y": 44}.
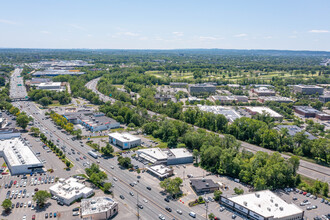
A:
{"x": 263, "y": 205}
{"x": 279, "y": 99}
{"x": 325, "y": 98}
{"x": 230, "y": 99}
{"x": 98, "y": 122}
{"x": 178, "y": 85}
{"x": 55, "y": 72}
{"x": 124, "y": 140}
{"x": 308, "y": 89}
{"x": 203, "y": 185}
{"x": 19, "y": 157}
{"x": 164, "y": 98}
{"x": 294, "y": 129}
{"x": 306, "y": 111}
{"x": 264, "y": 91}
{"x": 54, "y": 86}
{"x": 37, "y": 81}
{"x": 193, "y": 99}
{"x": 228, "y": 112}
{"x": 322, "y": 116}
{"x": 264, "y": 110}
{"x": 69, "y": 190}
{"x": 160, "y": 171}
{"x": 168, "y": 156}
{"x": 98, "y": 208}
{"x": 201, "y": 88}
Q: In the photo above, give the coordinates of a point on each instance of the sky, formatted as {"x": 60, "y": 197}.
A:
{"x": 166, "y": 24}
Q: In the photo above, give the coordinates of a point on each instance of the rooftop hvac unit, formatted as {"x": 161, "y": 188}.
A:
{"x": 203, "y": 179}
{"x": 207, "y": 184}
{"x": 276, "y": 204}
{"x": 281, "y": 208}
{"x": 268, "y": 209}
{"x": 245, "y": 203}
{"x": 271, "y": 200}
{"x": 93, "y": 202}
{"x": 94, "y": 208}
{"x": 257, "y": 195}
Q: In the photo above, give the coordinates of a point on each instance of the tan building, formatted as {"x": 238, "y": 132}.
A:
{"x": 98, "y": 208}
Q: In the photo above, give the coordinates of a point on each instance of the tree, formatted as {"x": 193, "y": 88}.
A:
{"x": 44, "y": 101}
{"x": 23, "y": 120}
{"x": 125, "y": 162}
{"x": 107, "y": 186}
{"x": 211, "y": 216}
{"x": 35, "y": 131}
{"x": 6, "y": 204}
{"x": 107, "y": 150}
{"x": 217, "y": 194}
{"x": 41, "y": 197}
{"x": 196, "y": 155}
{"x": 67, "y": 163}
{"x": 238, "y": 191}
{"x": 78, "y": 133}
{"x": 172, "y": 186}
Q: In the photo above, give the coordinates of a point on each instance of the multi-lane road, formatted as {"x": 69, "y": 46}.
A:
{"x": 306, "y": 168}
{"x": 155, "y": 205}
{"x": 17, "y": 88}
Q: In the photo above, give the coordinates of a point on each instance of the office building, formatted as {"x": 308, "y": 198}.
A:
{"x": 201, "y": 186}
{"x": 37, "y": 81}
{"x": 322, "y": 116}
{"x": 55, "y": 72}
{"x": 264, "y": 110}
{"x": 230, "y": 99}
{"x": 294, "y": 129}
{"x": 228, "y": 112}
{"x": 178, "y": 84}
{"x": 69, "y": 190}
{"x": 160, "y": 171}
{"x": 264, "y": 91}
{"x": 54, "y": 86}
{"x": 308, "y": 89}
{"x": 306, "y": 111}
{"x": 124, "y": 140}
{"x": 178, "y": 156}
{"x": 325, "y": 98}
{"x": 263, "y": 205}
{"x": 193, "y": 99}
{"x": 152, "y": 155}
{"x": 98, "y": 208}
{"x": 278, "y": 99}
{"x": 201, "y": 88}
{"x": 164, "y": 98}
{"x": 19, "y": 157}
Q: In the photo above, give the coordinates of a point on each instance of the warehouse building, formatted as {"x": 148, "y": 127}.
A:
{"x": 98, "y": 208}
{"x": 263, "y": 205}
{"x": 69, "y": 190}
{"x": 230, "y": 99}
{"x": 229, "y": 113}
{"x": 98, "y": 122}
{"x": 37, "y": 81}
{"x": 168, "y": 156}
{"x": 308, "y": 89}
{"x": 294, "y": 129}
{"x": 55, "y": 72}
{"x": 19, "y": 157}
{"x": 124, "y": 140}
{"x": 306, "y": 111}
{"x": 263, "y": 91}
{"x": 53, "y": 86}
{"x": 264, "y": 110}
{"x": 278, "y": 99}
{"x": 201, "y": 186}
{"x": 201, "y": 88}
{"x": 160, "y": 171}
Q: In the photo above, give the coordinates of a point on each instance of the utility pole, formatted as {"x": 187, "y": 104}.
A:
{"x": 206, "y": 209}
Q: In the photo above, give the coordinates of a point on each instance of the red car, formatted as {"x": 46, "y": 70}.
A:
{"x": 304, "y": 193}
{"x": 39, "y": 178}
{"x": 15, "y": 182}
{"x": 33, "y": 217}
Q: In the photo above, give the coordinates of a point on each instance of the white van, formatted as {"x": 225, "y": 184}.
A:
{"x": 192, "y": 214}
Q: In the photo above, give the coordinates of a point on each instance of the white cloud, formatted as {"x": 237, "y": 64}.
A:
{"x": 319, "y": 31}
{"x": 45, "y": 32}
{"x": 178, "y": 34}
{"x": 240, "y": 35}
{"x": 207, "y": 38}
{"x": 77, "y": 27}
{"x": 127, "y": 33}
{"x": 3, "y": 21}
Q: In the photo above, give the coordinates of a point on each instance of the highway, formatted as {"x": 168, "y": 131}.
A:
{"x": 308, "y": 169}
{"x": 156, "y": 204}
{"x": 17, "y": 88}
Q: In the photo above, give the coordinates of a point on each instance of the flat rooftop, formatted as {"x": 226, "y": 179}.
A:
{"x": 45, "y": 84}
{"x": 96, "y": 205}
{"x": 69, "y": 188}
{"x": 309, "y": 86}
{"x": 155, "y": 153}
{"x": 229, "y": 113}
{"x": 180, "y": 152}
{"x": 294, "y": 129}
{"x": 124, "y": 137}
{"x": 261, "y": 110}
{"x": 307, "y": 109}
{"x": 160, "y": 170}
{"x": 266, "y": 204}
{"x": 276, "y": 98}
{"x": 18, "y": 152}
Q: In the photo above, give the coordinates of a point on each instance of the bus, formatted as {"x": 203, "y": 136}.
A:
{"x": 93, "y": 154}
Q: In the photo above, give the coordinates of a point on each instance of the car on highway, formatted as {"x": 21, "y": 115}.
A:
{"x": 166, "y": 200}
{"x": 75, "y": 213}
{"x": 140, "y": 206}
{"x": 179, "y": 212}
{"x": 148, "y": 187}
{"x": 122, "y": 197}
{"x": 115, "y": 179}
{"x": 168, "y": 209}
{"x": 131, "y": 193}
{"x": 160, "y": 216}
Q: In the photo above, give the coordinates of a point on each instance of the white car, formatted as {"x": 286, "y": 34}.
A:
{"x": 160, "y": 216}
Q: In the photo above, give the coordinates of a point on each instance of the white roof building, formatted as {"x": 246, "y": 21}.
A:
{"x": 124, "y": 140}
{"x": 261, "y": 110}
{"x": 263, "y": 205}
{"x": 160, "y": 171}
{"x": 55, "y": 86}
{"x": 18, "y": 156}
{"x": 98, "y": 208}
{"x": 153, "y": 155}
{"x": 228, "y": 112}
{"x": 69, "y": 190}
{"x": 166, "y": 156}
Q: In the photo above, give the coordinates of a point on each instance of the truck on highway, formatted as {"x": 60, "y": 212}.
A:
{"x": 93, "y": 154}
